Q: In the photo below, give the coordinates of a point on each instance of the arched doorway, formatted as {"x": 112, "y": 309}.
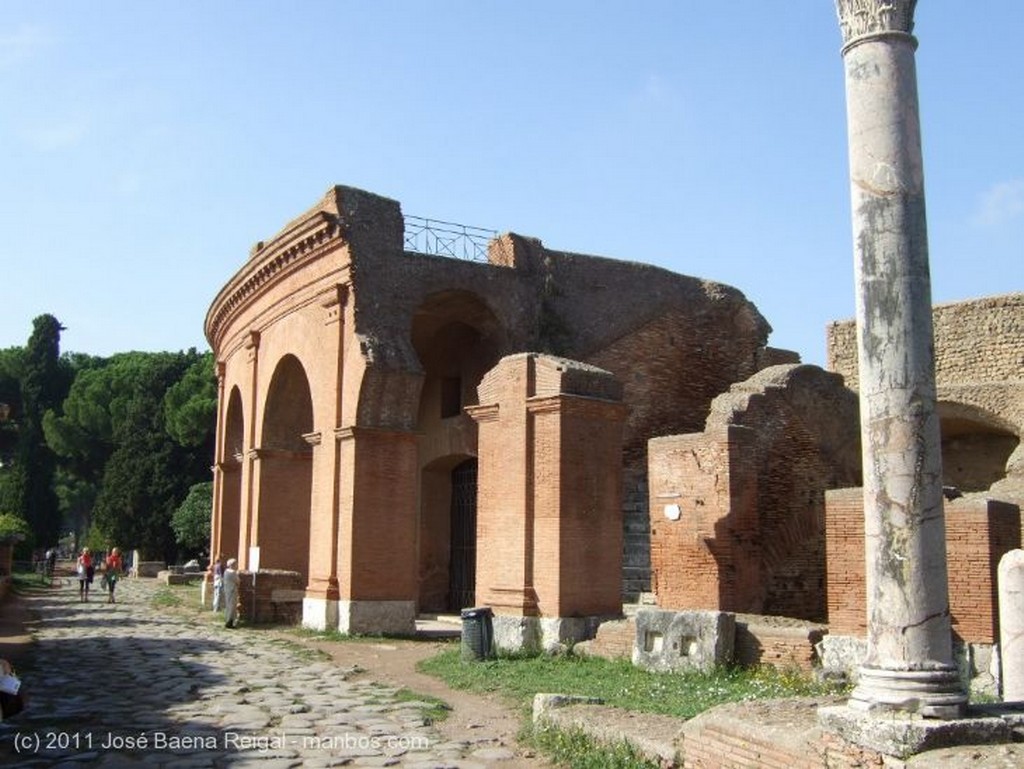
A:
{"x": 447, "y": 535}
{"x": 286, "y": 470}
{"x": 231, "y": 477}
{"x": 457, "y": 339}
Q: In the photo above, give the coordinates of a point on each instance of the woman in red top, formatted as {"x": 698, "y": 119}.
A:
{"x": 112, "y": 570}
{"x": 85, "y": 572}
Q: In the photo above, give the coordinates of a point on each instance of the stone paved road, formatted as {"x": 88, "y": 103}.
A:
{"x": 136, "y": 686}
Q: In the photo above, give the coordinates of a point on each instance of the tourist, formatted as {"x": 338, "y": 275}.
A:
{"x": 85, "y": 574}
{"x": 51, "y": 563}
{"x": 217, "y": 567}
{"x": 112, "y": 571}
{"x": 230, "y": 586}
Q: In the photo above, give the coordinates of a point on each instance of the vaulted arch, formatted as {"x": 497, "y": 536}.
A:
{"x": 285, "y": 476}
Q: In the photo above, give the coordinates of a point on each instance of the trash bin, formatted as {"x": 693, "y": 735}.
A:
{"x": 477, "y": 634}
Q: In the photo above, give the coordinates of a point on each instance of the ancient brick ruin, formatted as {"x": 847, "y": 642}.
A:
{"x": 347, "y": 365}
{"x": 384, "y": 435}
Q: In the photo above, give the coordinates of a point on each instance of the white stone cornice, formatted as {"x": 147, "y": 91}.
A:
{"x": 866, "y": 18}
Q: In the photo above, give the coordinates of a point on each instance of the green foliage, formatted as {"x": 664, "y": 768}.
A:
{"x": 191, "y": 404}
{"x": 11, "y": 363}
{"x": 191, "y": 521}
{"x": 113, "y": 434}
{"x": 13, "y": 526}
{"x": 43, "y": 383}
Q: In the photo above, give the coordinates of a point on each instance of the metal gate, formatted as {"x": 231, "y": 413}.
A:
{"x": 462, "y": 566}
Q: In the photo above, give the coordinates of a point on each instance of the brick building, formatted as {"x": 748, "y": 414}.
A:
{"x": 352, "y": 437}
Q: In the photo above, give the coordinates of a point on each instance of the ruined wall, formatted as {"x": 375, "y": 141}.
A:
{"x": 981, "y": 340}
{"x": 978, "y": 533}
{"x": 979, "y": 369}
{"x": 738, "y": 510}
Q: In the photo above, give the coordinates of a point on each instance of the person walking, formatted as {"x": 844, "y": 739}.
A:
{"x": 230, "y": 584}
{"x": 112, "y": 570}
{"x": 85, "y": 574}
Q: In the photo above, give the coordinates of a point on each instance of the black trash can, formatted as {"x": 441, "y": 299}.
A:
{"x": 477, "y": 634}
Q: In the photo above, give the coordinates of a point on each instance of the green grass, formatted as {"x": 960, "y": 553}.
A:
{"x": 619, "y": 682}
{"x": 435, "y": 710}
{"x": 169, "y": 597}
{"x": 576, "y": 749}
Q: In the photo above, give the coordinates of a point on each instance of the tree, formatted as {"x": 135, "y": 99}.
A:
{"x": 191, "y": 521}
{"x": 13, "y": 527}
{"x": 44, "y": 383}
{"x": 191, "y": 405}
{"x": 116, "y": 434}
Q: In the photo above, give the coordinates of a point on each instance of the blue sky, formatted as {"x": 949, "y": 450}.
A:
{"x": 147, "y": 145}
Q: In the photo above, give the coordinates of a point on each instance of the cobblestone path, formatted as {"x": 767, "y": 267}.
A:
{"x": 133, "y": 685}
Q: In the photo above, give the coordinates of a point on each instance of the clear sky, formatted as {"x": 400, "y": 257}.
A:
{"x": 145, "y": 146}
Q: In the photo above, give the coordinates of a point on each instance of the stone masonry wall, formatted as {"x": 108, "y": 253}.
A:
{"x": 978, "y": 533}
{"x": 975, "y": 341}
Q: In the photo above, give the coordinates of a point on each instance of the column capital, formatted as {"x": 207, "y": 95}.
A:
{"x": 868, "y": 18}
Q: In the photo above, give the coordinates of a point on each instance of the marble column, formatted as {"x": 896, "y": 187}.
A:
{"x": 1011, "y": 624}
{"x": 909, "y": 664}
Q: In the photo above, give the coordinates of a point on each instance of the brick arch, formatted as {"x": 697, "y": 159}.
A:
{"x": 231, "y": 481}
{"x": 457, "y": 339}
{"x": 285, "y": 470}
{"x": 978, "y": 446}
{"x": 288, "y": 410}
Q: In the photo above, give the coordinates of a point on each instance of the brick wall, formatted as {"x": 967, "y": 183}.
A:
{"x": 748, "y": 495}
{"x": 278, "y": 596}
{"x": 782, "y": 644}
{"x": 382, "y": 559}
{"x": 978, "y": 532}
{"x": 285, "y": 483}
{"x": 549, "y": 525}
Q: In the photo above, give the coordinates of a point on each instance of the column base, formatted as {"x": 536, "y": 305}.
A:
{"x": 903, "y": 735}
{"x": 927, "y": 693}
{"x": 319, "y": 613}
{"x": 377, "y": 617}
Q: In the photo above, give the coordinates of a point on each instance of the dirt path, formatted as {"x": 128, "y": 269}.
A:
{"x": 473, "y": 717}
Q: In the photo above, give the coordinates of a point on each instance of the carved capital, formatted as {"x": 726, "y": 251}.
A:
{"x": 862, "y": 18}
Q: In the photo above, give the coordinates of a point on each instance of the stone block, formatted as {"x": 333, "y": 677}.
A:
{"x": 149, "y": 568}
{"x": 684, "y": 640}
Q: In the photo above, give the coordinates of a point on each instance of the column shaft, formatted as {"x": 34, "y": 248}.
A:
{"x": 909, "y": 664}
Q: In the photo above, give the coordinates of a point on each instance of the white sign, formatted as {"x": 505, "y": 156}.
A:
{"x": 254, "y": 558}
{"x": 672, "y": 512}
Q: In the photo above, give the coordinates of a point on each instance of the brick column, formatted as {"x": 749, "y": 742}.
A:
{"x": 549, "y": 514}
{"x": 909, "y": 664}
{"x": 377, "y": 560}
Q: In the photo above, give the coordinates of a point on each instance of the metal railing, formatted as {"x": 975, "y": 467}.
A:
{"x": 438, "y": 238}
